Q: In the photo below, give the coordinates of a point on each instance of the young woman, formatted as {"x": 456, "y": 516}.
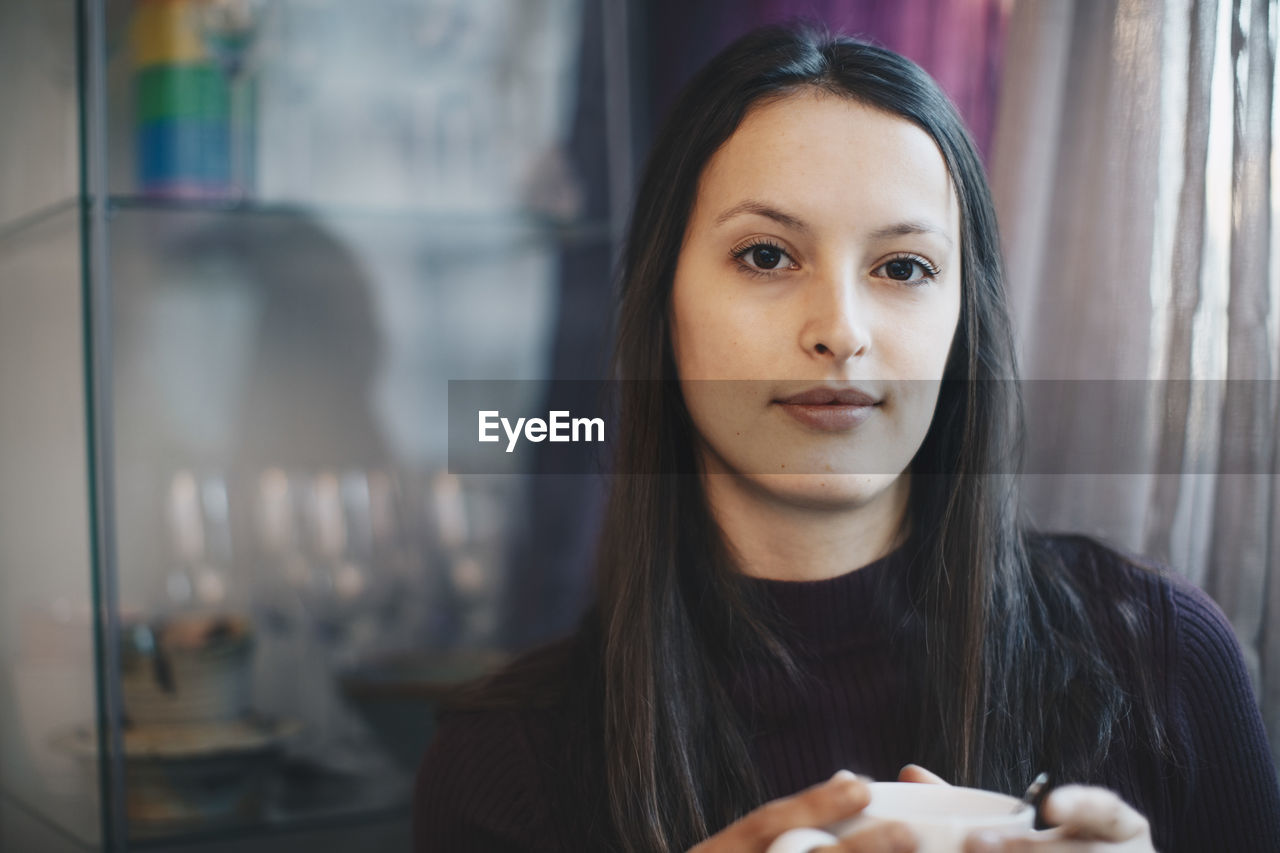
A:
{"x": 813, "y": 556}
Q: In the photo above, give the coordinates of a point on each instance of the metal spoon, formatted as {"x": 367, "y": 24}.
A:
{"x": 1035, "y": 792}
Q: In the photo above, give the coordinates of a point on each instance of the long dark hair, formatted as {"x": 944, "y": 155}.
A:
{"x": 1011, "y": 683}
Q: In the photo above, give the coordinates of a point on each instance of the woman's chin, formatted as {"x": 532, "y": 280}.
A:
{"x": 830, "y": 490}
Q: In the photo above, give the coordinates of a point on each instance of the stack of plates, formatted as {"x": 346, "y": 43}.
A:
{"x": 193, "y": 772}
{"x": 193, "y": 749}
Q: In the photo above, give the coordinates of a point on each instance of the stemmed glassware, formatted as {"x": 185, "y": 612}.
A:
{"x": 280, "y": 570}
{"x": 229, "y": 30}
{"x": 470, "y": 518}
{"x": 353, "y": 563}
{"x": 319, "y": 585}
{"x": 198, "y": 519}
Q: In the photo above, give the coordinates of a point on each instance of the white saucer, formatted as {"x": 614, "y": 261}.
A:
{"x": 188, "y": 741}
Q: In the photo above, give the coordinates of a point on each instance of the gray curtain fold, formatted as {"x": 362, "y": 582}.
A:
{"x": 1141, "y": 247}
{"x": 1185, "y": 273}
{"x": 1073, "y": 174}
{"x": 1242, "y": 515}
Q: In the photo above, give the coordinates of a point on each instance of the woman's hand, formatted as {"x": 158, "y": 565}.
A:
{"x": 1086, "y": 820}
{"x": 840, "y": 797}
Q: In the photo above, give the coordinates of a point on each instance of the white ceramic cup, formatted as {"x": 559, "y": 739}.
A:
{"x": 941, "y": 816}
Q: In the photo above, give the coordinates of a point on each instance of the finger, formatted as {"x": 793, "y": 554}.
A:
{"x": 801, "y": 840}
{"x": 1093, "y": 813}
{"x": 916, "y": 773}
{"x": 1059, "y": 844}
{"x": 993, "y": 841}
{"x": 882, "y": 838}
{"x": 841, "y": 796}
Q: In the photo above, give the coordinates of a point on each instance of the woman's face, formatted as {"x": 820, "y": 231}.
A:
{"x": 821, "y": 259}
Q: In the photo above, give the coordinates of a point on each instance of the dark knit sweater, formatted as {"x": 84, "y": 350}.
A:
{"x": 488, "y": 783}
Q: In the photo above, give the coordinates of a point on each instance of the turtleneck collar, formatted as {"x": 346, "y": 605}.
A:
{"x": 853, "y": 608}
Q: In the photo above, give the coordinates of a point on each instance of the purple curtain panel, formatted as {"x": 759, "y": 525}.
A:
{"x": 959, "y": 42}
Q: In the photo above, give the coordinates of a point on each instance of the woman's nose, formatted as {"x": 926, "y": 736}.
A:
{"x": 836, "y": 323}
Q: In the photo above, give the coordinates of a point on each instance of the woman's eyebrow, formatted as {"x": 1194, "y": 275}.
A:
{"x": 901, "y": 229}
{"x": 760, "y": 208}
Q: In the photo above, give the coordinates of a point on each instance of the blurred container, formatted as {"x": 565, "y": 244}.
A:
{"x": 190, "y": 669}
{"x": 194, "y": 113}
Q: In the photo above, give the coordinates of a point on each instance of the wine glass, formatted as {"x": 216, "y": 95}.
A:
{"x": 470, "y": 523}
{"x": 196, "y": 510}
{"x": 229, "y": 30}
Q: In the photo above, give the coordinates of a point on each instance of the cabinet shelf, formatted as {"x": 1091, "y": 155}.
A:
{"x": 24, "y": 224}
{"x": 377, "y": 796}
{"x": 435, "y": 192}
{"x": 429, "y": 226}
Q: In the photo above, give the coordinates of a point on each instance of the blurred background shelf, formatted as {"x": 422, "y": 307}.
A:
{"x": 223, "y": 393}
{"x": 301, "y": 799}
{"x": 428, "y": 226}
{"x": 34, "y": 219}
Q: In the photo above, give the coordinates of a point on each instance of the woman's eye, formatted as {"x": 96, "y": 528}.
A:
{"x": 909, "y": 270}
{"x": 762, "y": 257}
{"x": 766, "y": 257}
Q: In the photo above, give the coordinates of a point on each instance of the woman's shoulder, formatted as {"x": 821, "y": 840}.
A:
{"x": 1182, "y": 627}
{"x": 1117, "y": 574}
{"x": 1219, "y": 786}
{"x": 477, "y": 783}
{"x": 1098, "y": 563}
{"x": 1109, "y": 574}
{"x": 488, "y": 779}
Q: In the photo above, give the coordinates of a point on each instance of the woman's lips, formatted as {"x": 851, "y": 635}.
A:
{"x": 832, "y": 417}
{"x": 830, "y": 409}
{"x": 822, "y": 396}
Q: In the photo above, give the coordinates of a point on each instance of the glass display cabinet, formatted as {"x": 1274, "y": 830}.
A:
{"x": 244, "y": 246}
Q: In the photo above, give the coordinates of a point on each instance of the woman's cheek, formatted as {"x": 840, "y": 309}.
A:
{"x": 737, "y": 343}
{"x": 919, "y": 350}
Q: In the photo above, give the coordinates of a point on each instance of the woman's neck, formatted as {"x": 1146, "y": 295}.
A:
{"x": 773, "y": 538}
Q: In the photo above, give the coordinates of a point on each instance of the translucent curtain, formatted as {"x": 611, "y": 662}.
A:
{"x": 1140, "y": 235}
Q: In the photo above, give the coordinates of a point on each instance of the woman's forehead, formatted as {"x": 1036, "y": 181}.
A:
{"x": 834, "y": 162}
